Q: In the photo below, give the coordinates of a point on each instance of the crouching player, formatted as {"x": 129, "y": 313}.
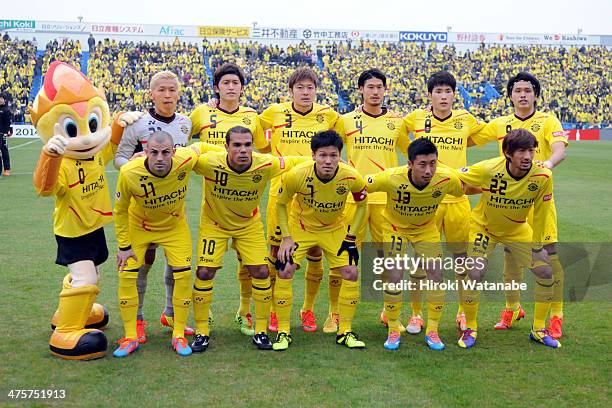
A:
{"x": 234, "y": 182}
{"x": 511, "y": 186}
{"x": 150, "y": 208}
{"x": 321, "y": 188}
{"x": 413, "y": 196}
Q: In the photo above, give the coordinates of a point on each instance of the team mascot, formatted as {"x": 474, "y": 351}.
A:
{"x": 73, "y": 120}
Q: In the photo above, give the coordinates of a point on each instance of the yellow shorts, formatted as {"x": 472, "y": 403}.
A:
{"x": 273, "y": 229}
{"x": 425, "y": 241}
{"x": 482, "y": 243}
{"x": 550, "y": 230}
{"x": 374, "y": 219}
{"x": 175, "y": 242}
{"x": 453, "y": 219}
{"x": 250, "y": 242}
{"x": 328, "y": 241}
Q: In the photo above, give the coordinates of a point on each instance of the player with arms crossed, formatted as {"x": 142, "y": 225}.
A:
{"x": 293, "y": 125}
{"x": 317, "y": 191}
{"x": 234, "y": 182}
{"x": 523, "y": 90}
{"x": 164, "y": 90}
{"x": 512, "y": 185}
{"x": 414, "y": 194}
{"x": 452, "y": 131}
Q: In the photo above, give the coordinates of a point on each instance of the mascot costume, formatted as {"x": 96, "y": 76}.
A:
{"x": 73, "y": 120}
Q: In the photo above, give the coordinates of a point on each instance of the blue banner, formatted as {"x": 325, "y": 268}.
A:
{"x": 423, "y": 36}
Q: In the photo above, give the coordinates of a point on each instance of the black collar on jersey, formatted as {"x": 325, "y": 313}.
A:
{"x": 440, "y": 119}
{"x": 320, "y": 179}
{"x": 384, "y": 111}
{"x": 165, "y": 119}
{"x": 516, "y": 178}
{"x": 302, "y": 113}
{"x": 524, "y": 119}
{"x": 146, "y": 164}
{"x": 412, "y": 182}
{"x": 228, "y": 112}
{"x": 236, "y": 171}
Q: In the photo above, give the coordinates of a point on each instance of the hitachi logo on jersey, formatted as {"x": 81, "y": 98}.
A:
{"x": 234, "y": 192}
{"x": 217, "y": 134}
{"x": 99, "y": 183}
{"x": 510, "y": 201}
{"x": 180, "y": 194}
{"x": 445, "y": 140}
{"x": 372, "y": 139}
{"x": 298, "y": 133}
{"x": 420, "y": 209}
{"x": 319, "y": 204}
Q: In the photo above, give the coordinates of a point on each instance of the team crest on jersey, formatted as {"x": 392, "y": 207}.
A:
{"x": 184, "y": 129}
{"x": 182, "y": 175}
{"x": 320, "y": 118}
{"x": 535, "y": 127}
{"x": 246, "y": 121}
{"x": 257, "y": 178}
{"x": 341, "y": 190}
{"x": 390, "y": 125}
{"x": 436, "y": 194}
{"x": 532, "y": 187}
{"x": 458, "y": 125}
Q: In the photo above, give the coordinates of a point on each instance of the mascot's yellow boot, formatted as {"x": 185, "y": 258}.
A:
{"x": 98, "y": 317}
{"x": 70, "y": 340}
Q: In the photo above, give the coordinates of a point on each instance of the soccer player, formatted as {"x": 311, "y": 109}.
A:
{"x": 373, "y": 136}
{"x": 211, "y": 124}
{"x": 523, "y": 90}
{"x": 414, "y": 194}
{"x": 164, "y": 92}
{"x": 150, "y": 208}
{"x": 512, "y": 186}
{"x": 452, "y": 131}
{"x": 317, "y": 191}
{"x": 293, "y": 125}
{"x": 234, "y": 182}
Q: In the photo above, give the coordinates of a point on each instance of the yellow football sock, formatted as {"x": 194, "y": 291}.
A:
{"x": 128, "y": 301}
{"x": 416, "y": 293}
{"x": 262, "y": 294}
{"x": 244, "y": 279}
{"x": 347, "y": 302}
{"x": 460, "y": 278}
{"x": 435, "y": 305}
{"x": 335, "y": 283}
{"x": 512, "y": 272}
{"x": 556, "y": 306}
{"x": 181, "y": 301}
{"x": 543, "y": 295}
{"x": 202, "y": 298}
{"x": 283, "y": 296}
{"x": 470, "y": 307}
{"x": 313, "y": 277}
{"x": 272, "y": 273}
{"x": 393, "y": 307}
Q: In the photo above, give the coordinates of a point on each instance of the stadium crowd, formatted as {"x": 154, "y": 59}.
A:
{"x": 575, "y": 80}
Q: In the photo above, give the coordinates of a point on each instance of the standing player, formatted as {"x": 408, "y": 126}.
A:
{"x": 164, "y": 91}
{"x": 523, "y": 90}
{"x": 452, "y": 131}
{"x": 373, "y": 136}
{"x": 321, "y": 189}
{"x": 409, "y": 217}
{"x": 293, "y": 125}
{"x": 234, "y": 183}
{"x": 512, "y": 186}
{"x": 211, "y": 124}
{"x": 150, "y": 208}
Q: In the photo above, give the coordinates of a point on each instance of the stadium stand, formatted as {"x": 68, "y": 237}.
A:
{"x": 17, "y": 65}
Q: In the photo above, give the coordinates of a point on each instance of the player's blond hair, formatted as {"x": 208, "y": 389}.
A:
{"x": 163, "y": 75}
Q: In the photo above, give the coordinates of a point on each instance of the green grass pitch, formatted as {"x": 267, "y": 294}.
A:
{"x": 504, "y": 369}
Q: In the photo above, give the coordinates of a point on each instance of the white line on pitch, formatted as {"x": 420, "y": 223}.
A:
{"x": 23, "y": 144}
